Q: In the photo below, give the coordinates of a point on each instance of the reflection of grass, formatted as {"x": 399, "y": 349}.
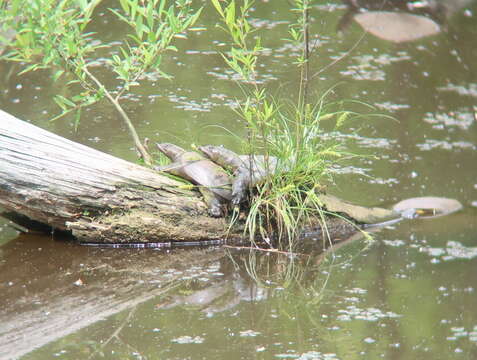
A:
{"x": 297, "y": 284}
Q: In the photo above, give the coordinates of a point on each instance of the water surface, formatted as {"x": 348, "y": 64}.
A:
{"x": 410, "y": 294}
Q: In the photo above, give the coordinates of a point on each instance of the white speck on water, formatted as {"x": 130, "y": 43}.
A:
{"x": 249, "y": 333}
{"x": 356, "y": 291}
{"x": 369, "y": 314}
{"x": 369, "y": 340}
{"x": 188, "y": 340}
{"x": 394, "y": 243}
{"x": 286, "y": 356}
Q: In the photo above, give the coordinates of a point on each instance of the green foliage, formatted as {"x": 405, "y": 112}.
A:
{"x": 52, "y": 34}
{"x": 153, "y": 30}
{"x": 296, "y": 30}
{"x": 286, "y": 200}
{"x": 242, "y": 57}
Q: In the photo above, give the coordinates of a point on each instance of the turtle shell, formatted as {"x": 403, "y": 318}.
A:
{"x": 197, "y": 169}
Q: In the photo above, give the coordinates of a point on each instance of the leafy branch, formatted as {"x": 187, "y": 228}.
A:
{"x": 52, "y": 34}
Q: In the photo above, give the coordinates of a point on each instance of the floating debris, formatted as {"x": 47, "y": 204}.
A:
{"x": 370, "y": 314}
{"x": 453, "y": 251}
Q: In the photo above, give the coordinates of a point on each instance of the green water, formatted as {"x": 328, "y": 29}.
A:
{"x": 411, "y": 294}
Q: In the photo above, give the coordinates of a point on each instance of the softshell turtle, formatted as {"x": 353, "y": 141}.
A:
{"x": 213, "y": 180}
{"x": 428, "y": 206}
{"x": 249, "y": 170}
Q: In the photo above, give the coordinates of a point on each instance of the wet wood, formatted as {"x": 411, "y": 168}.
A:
{"x": 98, "y": 197}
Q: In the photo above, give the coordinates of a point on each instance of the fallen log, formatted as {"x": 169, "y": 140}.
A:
{"x": 98, "y": 197}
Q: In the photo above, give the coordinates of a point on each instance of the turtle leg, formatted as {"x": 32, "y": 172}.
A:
{"x": 240, "y": 185}
{"x": 215, "y": 206}
{"x": 175, "y": 168}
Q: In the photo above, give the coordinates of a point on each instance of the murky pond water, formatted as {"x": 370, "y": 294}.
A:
{"x": 410, "y": 294}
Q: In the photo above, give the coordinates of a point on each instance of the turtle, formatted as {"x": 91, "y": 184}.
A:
{"x": 212, "y": 180}
{"x": 248, "y": 170}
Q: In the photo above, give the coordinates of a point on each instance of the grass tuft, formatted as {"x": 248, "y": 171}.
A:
{"x": 286, "y": 200}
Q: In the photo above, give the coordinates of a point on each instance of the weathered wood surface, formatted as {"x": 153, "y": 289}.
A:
{"x": 98, "y": 197}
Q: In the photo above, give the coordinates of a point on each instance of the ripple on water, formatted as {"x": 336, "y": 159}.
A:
{"x": 353, "y": 312}
{"x": 458, "y": 332}
{"x": 394, "y": 243}
{"x": 249, "y": 333}
{"x": 188, "y": 340}
{"x": 453, "y": 251}
{"x": 462, "y": 120}
{"x": 265, "y": 23}
{"x": 469, "y": 90}
{"x": 362, "y": 141}
{"x": 309, "y": 355}
{"x": 389, "y": 106}
{"x": 431, "y": 144}
{"x": 369, "y": 67}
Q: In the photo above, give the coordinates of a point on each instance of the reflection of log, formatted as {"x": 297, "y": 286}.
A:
{"x": 51, "y": 291}
{"x": 98, "y": 197}
{"x": 48, "y": 291}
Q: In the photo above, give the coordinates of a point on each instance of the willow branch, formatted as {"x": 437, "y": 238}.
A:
{"x": 137, "y": 142}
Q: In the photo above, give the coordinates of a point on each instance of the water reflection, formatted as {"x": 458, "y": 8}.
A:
{"x": 234, "y": 303}
{"x": 51, "y": 289}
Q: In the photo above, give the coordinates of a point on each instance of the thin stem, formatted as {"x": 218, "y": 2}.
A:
{"x": 116, "y": 332}
{"x": 339, "y": 58}
{"x": 306, "y": 41}
{"x": 305, "y": 70}
{"x": 137, "y": 142}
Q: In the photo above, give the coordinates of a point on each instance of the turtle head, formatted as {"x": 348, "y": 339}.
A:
{"x": 222, "y": 156}
{"x": 211, "y": 151}
{"x": 170, "y": 150}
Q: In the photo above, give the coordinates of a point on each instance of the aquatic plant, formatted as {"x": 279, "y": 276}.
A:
{"x": 287, "y": 199}
{"x": 53, "y": 34}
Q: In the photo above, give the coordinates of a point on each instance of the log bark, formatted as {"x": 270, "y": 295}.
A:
{"x": 96, "y": 196}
